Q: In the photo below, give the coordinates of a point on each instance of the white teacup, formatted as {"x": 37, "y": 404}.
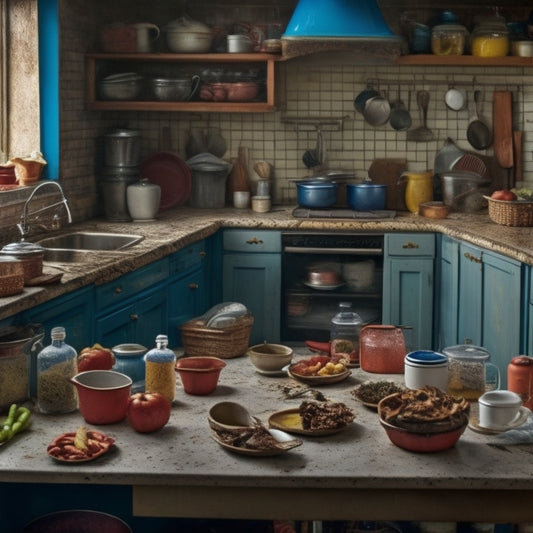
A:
{"x": 498, "y": 409}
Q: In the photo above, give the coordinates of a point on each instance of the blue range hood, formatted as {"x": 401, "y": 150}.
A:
{"x": 337, "y": 19}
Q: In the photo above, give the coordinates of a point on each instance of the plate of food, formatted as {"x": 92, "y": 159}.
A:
{"x": 80, "y": 446}
{"x": 255, "y": 440}
{"x": 318, "y": 370}
{"x": 313, "y": 418}
{"x": 369, "y": 393}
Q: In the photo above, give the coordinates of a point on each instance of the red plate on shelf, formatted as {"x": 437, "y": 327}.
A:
{"x": 172, "y": 174}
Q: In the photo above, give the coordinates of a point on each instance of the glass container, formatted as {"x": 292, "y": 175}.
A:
{"x": 490, "y": 39}
{"x": 448, "y": 39}
{"x": 160, "y": 372}
{"x": 344, "y": 332}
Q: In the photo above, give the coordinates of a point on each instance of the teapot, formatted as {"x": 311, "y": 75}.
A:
{"x": 470, "y": 374}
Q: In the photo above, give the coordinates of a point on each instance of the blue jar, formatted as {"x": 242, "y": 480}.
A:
{"x": 129, "y": 360}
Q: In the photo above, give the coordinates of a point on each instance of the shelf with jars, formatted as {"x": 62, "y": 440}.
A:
{"x": 425, "y": 60}
{"x": 212, "y": 82}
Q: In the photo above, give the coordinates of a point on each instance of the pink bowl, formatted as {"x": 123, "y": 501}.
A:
{"x": 103, "y": 395}
{"x": 199, "y": 375}
{"x": 422, "y": 442}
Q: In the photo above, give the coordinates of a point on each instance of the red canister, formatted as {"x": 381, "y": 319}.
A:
{"x": 520, "y": 378}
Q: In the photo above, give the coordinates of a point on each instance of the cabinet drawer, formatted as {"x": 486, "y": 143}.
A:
{"x": 252, "y": 241}
{"x": 190, "y": 257}
{"x": 130, "y": 284}
{"x": 410, "y": 244}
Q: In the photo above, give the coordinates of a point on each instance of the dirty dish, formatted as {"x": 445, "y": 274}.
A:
{"x": 319, "y": 380}
{"x": 290, "y": 421}
{"x": 103, "y": 444}
{"x": 172, "y": 174}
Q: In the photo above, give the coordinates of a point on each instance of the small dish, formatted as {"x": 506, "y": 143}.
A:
{"x": 103, "y": 444}
{"x": 271, "y": 373}
{"x": 520, "y": 420}
{"x": 319, "y": 380}
{"x": 290, "y": 421}
{"x": 49, "y": 276}
{"x": 288, "y": 444}
{"x": 322, "y": 287}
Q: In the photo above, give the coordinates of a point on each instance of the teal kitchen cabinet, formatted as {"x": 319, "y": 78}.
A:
{"x": 133, "y": 308}
{"x": 188, "y": 287}
{"x": 528, "y": 337}
{"x": 73, "y": 311}
{"x": 408, "y": 278}
{"x": 480, "y": 301}
{"x": 251, "y": 275}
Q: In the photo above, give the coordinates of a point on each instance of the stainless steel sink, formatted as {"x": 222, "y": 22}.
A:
{"x": 83, "y": 241}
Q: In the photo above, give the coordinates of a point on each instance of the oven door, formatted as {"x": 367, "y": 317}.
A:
{"x": 356, "y": 261}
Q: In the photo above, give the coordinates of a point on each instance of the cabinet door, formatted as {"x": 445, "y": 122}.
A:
{"x": 140, "y": 321}
{"x": 254, "y": 279}
{"x": 470, "y": 294}
{"x": 74, "y": 311}
{"x": 448, "y": 277}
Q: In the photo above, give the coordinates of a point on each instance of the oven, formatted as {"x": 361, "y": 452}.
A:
{"x": 356, "y": 259}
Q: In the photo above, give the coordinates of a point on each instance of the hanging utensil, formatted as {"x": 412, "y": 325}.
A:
{"x": 478, "y": 133}
{"x": 422, "y": 133}
{"x": 400, "y": 118}
{"x": 517, "y": 145}
{"x": 503, "y": 131}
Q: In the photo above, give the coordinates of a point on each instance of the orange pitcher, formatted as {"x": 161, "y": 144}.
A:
{"x": 419, "y": 188}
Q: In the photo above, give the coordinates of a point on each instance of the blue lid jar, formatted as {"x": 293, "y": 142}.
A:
{"x": 129, "y": 360}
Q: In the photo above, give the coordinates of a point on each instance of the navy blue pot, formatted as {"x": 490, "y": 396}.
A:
{"x": 366, "y": 196}
{"x": 316, "y": 193}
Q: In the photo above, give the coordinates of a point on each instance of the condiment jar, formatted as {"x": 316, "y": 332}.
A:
{"x": 419, "y": 188}
{"x": 448, "y": 39}
{"x": 490, "y": 39}
{"x": 344, "y": 332}
{"x": 160, "y": 374}
{"x": 470, "y": 373}
{"x": 520, "y": 378}
{"x": 129, "y": 360}
{"x": 143, "y": 199}
{"x": 56, "y": 366}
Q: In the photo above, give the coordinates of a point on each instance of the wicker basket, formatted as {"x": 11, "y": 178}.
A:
{"x": 11, "y": 284}
{"x": 513, "y": 213}
{"x": 226, "y": 343}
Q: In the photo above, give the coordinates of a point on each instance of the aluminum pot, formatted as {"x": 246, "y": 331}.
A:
{"x": 316, "y": 193}
{"x": 122, "y": 148}
{"x": 366, "y": 196}
{"x": 463, "y": 191}
{"x": 174, "y": 89}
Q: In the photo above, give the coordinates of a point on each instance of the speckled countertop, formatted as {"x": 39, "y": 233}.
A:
{"x": 181, "y": 462}
{"x": 179, "y": 227}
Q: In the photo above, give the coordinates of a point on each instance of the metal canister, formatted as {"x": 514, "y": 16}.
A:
{"x": 520, "y": 378}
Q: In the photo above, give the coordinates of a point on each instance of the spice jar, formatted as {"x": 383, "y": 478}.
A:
{"x": 129, "y": 360}
{"x": 56, "y": 366}
{"x": 448, "y": 39}
{"x": 160, "y": 373}
{"x": 520, "y": 378}
{"x": 490, "y": 39}
{"x": 344, "y": 334}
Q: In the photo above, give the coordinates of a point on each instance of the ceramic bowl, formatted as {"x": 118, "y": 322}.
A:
{"x": 423, "y": 442}
{"x": 229, "y": 415}
{"x": 82, "y": 521}
{"x": 433, "y": 209}
{"x": 270, "y": 357}
{"x": 199, "y": 375}
{"x": 103, "y": 395}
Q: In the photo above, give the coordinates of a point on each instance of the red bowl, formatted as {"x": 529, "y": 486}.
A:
{"x": 422, "y": 442}
{"x": 199, "y": 375}
{"x": 80, "y": 521}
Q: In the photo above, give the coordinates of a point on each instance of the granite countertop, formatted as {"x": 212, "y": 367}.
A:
{"x": 179, "y": 227}
{"x": 182, "y": 456}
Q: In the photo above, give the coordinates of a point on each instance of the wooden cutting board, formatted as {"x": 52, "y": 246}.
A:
{"x": 388, "y": 172}
{"x": 502, "y": 114}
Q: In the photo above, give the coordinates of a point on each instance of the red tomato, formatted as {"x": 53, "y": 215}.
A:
{"x": 503, "y": 195}
{"x": 148, "y": 411}
{"x": 95, "y": 358}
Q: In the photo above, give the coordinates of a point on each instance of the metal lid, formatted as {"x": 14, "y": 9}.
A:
{"x": 123, "y": 133}
{"x": 22, "y": 248}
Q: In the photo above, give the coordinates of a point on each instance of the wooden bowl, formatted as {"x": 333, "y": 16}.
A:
{"x": 433, "y": 210}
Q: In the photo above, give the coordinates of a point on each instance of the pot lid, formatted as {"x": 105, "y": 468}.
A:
{"x": 123, "y": 133}
{"x": 22, "y": 248}
{"x": 467, "y": 351}
{"x": 463, "y": 175}
{"x": 144, "y": 184}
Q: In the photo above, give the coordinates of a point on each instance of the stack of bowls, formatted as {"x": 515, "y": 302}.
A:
{"x": 121, "y": 168}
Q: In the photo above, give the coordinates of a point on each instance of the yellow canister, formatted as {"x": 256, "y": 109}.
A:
{"x": 419, "y": 188}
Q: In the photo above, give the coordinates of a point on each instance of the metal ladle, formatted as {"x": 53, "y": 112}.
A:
{"x": 478, "y": 133}
{"x": 400, "y": 118}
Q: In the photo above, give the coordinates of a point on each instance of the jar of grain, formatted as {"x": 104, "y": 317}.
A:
{"x": 490, "y": 39}
{"x": 160, "y": 373}
{"x": 56, "y": 366}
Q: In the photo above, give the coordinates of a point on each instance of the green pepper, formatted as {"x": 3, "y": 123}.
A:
{"x": 17, "y": 420}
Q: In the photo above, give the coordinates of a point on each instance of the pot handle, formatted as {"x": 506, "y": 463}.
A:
{"x": 194, "y": 87}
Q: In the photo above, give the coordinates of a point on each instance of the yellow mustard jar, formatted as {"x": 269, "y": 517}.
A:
{"x": 419, "y": 188}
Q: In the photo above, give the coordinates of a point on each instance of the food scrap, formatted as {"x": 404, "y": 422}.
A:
{"x": 17, "y": 420}
{"x": 325, "y": 415}
{"x": 371, "y": 392}
{"x": 256, "y": 437}
{"x": 82, "y": 445}
{"x": 319, "y": 365}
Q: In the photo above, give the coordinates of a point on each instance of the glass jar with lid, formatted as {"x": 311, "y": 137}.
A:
{"x": 160, "y": 372}
{"x": 56, "y": 366}
{"x": 344, "y": 333}
{"x": 490, "y": 39}
{"x": 449, "y": 39}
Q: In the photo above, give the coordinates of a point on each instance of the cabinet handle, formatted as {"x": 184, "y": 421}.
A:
{"x": 118, "y": 290}
{"x": 410, "y": 245}
{"x": 134, "y": 317}
{"x": 254, "y": 240}
{"x": 193, "y": 285}
{"x": 473, "y": 258}
{"x": 203, "y": 253}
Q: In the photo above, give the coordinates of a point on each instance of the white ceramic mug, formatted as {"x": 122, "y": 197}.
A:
{"x": 424, "y": 373}
{"x": 147, "y": 33}
{"x": 498, "y": 409}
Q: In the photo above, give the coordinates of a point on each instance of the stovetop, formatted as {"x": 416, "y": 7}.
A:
{"x": 305, "y": 212}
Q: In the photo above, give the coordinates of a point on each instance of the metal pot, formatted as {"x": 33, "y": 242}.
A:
{"x": 122, "y": 148}
{"x": 31, "y": 255}
{"x": 366, "y": 196}
{"x": 175, "y": 89}
{"x": 316, "y": 193}
{"x": 463, "y": 191}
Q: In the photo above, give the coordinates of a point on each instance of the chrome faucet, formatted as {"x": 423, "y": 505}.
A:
{"x": 24, "y": 226}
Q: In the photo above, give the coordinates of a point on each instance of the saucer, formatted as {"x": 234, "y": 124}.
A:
{"x": 323, "y": 287}
{"x": 473, "y": 423}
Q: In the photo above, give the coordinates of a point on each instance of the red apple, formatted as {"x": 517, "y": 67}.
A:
{"x": 148, "y": 411}
{"x": 95, "y": 357}
{"x": 503, "y": 195}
